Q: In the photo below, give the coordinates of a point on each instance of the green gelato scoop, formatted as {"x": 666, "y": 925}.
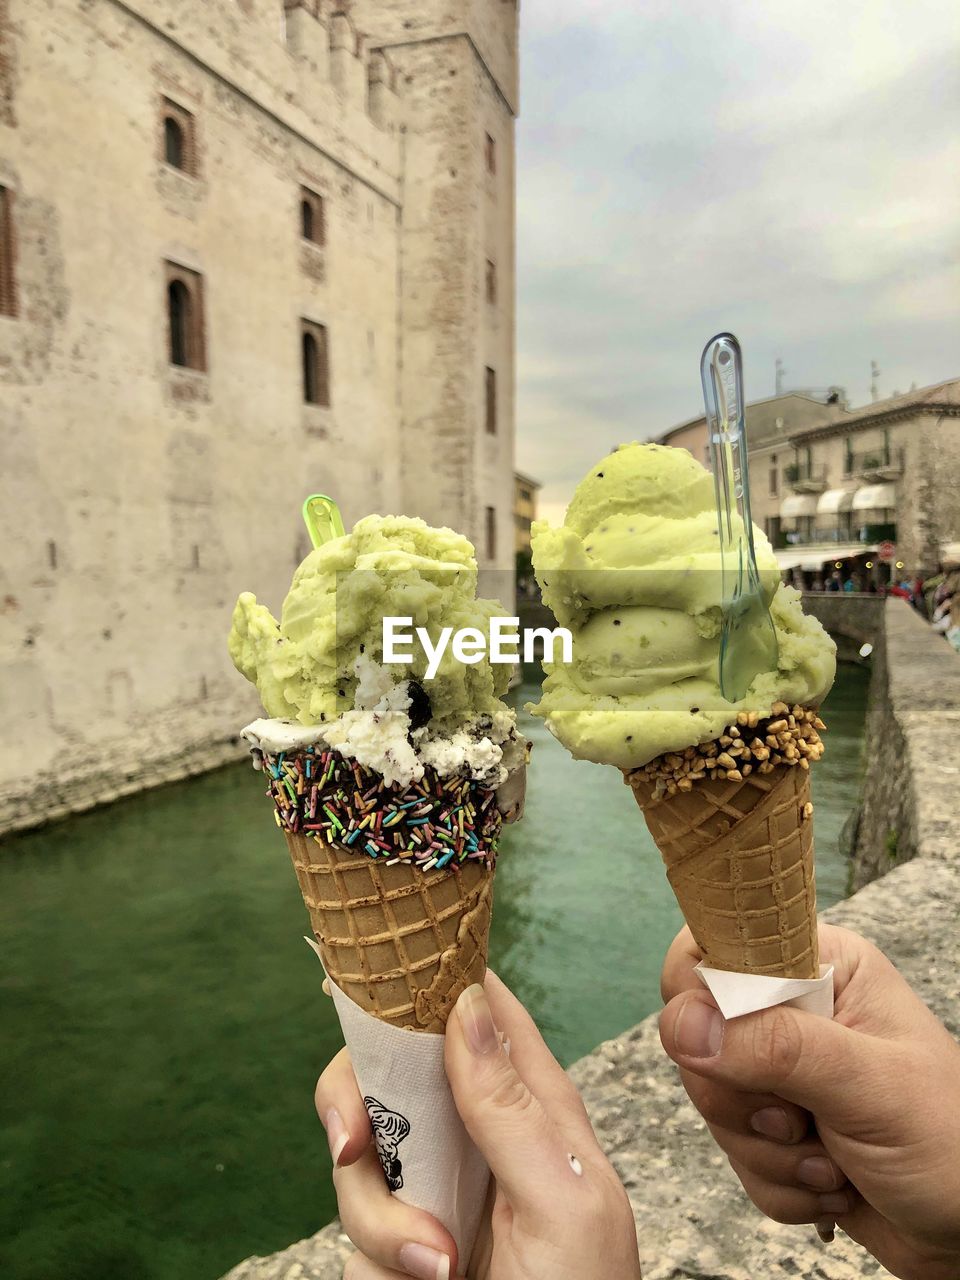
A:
{"x": 304, "y": 665}
{"x": 635, "y": 572}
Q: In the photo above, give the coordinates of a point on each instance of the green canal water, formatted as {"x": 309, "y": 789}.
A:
{"x": 164, "y": 1025}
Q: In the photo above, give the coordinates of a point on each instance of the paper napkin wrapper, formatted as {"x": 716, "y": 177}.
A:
{"x": 740, "y": 993}
{"x": 428, "y": 1159}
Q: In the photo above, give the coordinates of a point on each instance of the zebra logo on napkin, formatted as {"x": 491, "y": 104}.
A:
{"x": 389, "y": 1130}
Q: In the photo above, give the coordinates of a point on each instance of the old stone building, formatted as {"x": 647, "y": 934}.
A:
{"x": 248, "y": 250}
{"x": 769, "y": 423}
{"x": 880, "y": 483}
{"x": 525, "y": 490}
{"x": 829, "y": 483}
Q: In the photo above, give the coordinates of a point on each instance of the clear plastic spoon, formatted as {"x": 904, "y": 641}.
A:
{"x": 748, "y": 642}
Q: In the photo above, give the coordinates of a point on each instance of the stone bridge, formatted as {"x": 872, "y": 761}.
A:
{"x": 852, "y": 618}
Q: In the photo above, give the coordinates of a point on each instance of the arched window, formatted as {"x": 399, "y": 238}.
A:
{"x": 310, "y": 354}
{"x": 186, "y": 347}
{"x": 178, "y": 144}
{"x": 312, "y": 223}
{"x": 315, "y": 365}
{"x": 178, "y": 312}
{"x": 173, "y": 143}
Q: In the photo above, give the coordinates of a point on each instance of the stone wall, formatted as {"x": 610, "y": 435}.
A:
{"x": 138, "y": 498}
{"x": 856, "y": 616}
{"x": 910, "y": 804}
{"x": 693, "y": 1220}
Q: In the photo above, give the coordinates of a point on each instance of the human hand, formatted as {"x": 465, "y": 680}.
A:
{"x": 880, "y": 1083}
{"x": 543, "y": 1217}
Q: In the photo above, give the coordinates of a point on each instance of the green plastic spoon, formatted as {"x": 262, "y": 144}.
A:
{"x": 322, "y": 517}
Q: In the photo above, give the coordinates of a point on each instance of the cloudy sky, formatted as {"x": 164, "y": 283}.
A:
{"x": 788, "y": 171}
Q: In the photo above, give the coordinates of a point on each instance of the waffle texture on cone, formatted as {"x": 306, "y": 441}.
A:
{"x": 739, "y": 857}
{"x": 401, "y": 942}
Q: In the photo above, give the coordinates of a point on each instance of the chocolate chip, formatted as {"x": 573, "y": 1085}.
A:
{"x": 420, "y": 708}
{"x": 616, "y": 622}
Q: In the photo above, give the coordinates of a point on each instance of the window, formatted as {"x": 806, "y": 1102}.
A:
{"x": 491, "y": 533}
{"x": 315, "y": 363}
{"x": 185, "y": 334}
{"x": 490, "y": 384}
{"x": 8, "y": 284}
{"x": 313, "y": 225}
{"x": 173, "y": 142}
{"x": 490, "y": 151}
{"x": 179, "y": 143}
{"x": 526, "y": 495}
{"x": 491, "y": 281}
{"x": 774, "y": 476}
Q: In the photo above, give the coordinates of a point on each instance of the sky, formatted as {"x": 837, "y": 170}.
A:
{"x": 787, "y": 171}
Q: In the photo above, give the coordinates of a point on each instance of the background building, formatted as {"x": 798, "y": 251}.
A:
{"x": 249, "y": 251}
{"x": 886, "y": 473}
{"x": 524, "y": 508}
{"x": 770, "y": 424}
{"x": 833, "y": 484}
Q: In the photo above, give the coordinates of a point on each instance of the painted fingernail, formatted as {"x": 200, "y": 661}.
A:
{"x": 836, "y": 1202}
{"x": 699, "y": 1031}
{"x": 337, "y": 1134}
{"x": 476, "y": 1020}
{"x": 817, "y": 1172}
{"x": 772, "y": 1122}
{"x": 423, "y": 1262}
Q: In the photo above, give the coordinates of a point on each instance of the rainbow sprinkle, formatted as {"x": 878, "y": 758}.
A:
{"x": 436, "y": 822}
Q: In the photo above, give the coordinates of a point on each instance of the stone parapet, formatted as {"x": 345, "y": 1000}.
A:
{"x": 910, "y": 807}
{"x": 693, "y": 1220}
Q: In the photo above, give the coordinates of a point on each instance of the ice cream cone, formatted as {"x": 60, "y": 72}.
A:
{"x": 739, "y": 856}
{"x": 401, "y": 942}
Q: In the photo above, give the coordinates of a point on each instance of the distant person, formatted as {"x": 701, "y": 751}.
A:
{"x": 849, "y": 586}
{"x": 833, "y": 582}
{"x": 817, "y": 583}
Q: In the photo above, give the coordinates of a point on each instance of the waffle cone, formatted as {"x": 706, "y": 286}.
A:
{"x": 739, "y": 856}
{"x": 402, "y": 943}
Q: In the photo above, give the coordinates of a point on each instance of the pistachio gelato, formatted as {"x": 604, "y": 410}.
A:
{"x": 635, "y": 573}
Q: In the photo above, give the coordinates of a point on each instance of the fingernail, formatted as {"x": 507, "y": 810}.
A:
{"x": 772, "y": 1122}
{"x": 337, "y": 1134}
{"x": 817, "y": 1172}
{"x": 836, "y": 1202}
{"x": 423, "y": 1262}
{"x": 699, "y": 1031}
{"x": 477, "y": 1021}
{"x": 825, "y": 1230}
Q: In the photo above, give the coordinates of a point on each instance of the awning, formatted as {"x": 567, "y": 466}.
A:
{"x": 789, "y": 558}
{"x": 834, "y": 500}
{"x": 813, "y": 558}
{"x": 798, "y": 504}
{"x": 875, "y": 497}
{"x": 950, "y": 552}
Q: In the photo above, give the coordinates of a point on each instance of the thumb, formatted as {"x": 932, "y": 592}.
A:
{"x": 514, "y": 1134}
{"x": 848, "y": 1080}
